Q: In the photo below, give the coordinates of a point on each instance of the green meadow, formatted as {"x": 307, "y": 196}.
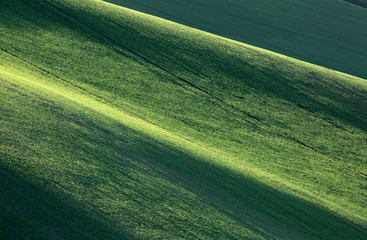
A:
{"x": 329, "y": 33}
{"x": 360, "y": 3}
{"x": 115, "y": 124}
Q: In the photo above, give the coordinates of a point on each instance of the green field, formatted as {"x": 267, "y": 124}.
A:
{"x": 360, "y": 3}
{"x": 115, "y": 124}
{"x": 329, "y": 33}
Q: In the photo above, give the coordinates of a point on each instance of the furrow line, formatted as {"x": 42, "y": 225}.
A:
{"x": 51, "y": 74}
{"x": 201, "y": 90}
{"x": 147, "y": 60}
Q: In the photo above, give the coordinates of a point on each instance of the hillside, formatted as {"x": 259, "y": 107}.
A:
{"x": 359, "y": 3}
{"x": 329, "y": 33}
{"x": 116, "y": 124}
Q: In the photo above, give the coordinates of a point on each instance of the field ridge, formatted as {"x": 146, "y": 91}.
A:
{"x": 149, "y": 129}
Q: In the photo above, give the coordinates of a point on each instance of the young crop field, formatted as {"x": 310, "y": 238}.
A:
{"x": 360, "y": 3}
{"x": 330, "y": 33}
{"x": 115, "y": 124}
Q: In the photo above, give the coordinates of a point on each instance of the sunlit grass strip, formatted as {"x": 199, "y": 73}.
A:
{"x": 49, "y": 87}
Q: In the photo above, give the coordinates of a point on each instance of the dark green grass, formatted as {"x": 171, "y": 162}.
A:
{"x": 361, "y": 3}
{"x": 324, "y": 32}
{"x": 70, "y": 172}
{"x": 236, "y": 141}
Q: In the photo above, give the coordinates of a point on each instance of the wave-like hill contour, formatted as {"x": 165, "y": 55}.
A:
{"x": 116, "y": 124}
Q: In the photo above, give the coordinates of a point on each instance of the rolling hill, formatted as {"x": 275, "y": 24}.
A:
{"x": 116, "y": 124}
{"x": 329, "y": 33}
{"x": 359, "y": 3}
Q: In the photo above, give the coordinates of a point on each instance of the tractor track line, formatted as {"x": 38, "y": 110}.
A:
{"x": 277, "y": 132}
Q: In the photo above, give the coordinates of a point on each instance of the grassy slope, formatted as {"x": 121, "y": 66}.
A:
{"x": 361, "y": 3}
{"x": 327, "y": 32}
{"x": 296, "y": 127}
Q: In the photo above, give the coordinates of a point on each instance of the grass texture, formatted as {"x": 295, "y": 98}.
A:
{"x": 360, "y": 3}
{"x": 329, "y": 33}
{"x": 115, "y": 124}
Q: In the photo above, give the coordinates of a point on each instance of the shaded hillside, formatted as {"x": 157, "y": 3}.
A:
{"x": 329, "y": 33}
{"x": 359, "y": 3}
{"x": 117, "y": 124}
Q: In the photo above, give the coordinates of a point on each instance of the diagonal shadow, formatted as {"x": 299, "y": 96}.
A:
{"x": 31, "y": 211}
{"x": 158, "y": 180}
